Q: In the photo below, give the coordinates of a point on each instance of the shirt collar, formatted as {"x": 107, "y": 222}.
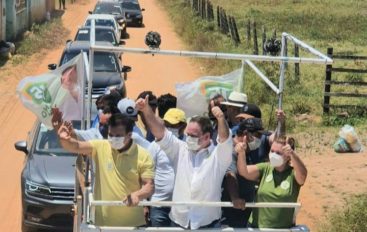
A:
{"x": 131, "y": 151}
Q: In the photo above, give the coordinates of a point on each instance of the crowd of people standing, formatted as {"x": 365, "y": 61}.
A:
{"x": 147, "y": 149}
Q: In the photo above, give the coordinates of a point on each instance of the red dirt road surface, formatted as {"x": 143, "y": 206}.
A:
{"x": 331, "y": 177}
{"x": 158, "y": 74}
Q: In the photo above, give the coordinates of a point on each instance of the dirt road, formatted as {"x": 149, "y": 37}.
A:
{"x": 149, "y": 73}
{"x": 331, "y": 177}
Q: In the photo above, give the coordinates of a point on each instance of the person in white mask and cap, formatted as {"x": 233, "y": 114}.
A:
{"x": 279, "y": 180}
{"x": 199, "y": 165}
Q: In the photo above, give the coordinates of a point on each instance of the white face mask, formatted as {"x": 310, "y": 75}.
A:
{"x": 100, "y": 112}
{"x": 174, "y": 131}
{"x": 276, "y": 160}
{"x": 117, "y": 143}
{"x": 255, "y": 144}
{"x": 192, "y": 143}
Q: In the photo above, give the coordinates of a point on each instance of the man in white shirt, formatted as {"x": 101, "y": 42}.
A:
{"x": 199, "y": 165}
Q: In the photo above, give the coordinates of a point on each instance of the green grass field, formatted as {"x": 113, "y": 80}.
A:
{"x": 319, "y": 23}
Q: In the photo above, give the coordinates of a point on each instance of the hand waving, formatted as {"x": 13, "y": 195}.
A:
{"x": 142, "y": 104}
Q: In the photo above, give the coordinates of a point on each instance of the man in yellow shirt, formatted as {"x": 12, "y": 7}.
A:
{"x": 124, "y": 171}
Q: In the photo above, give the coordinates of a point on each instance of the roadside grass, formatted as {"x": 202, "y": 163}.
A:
{"x": 321, "y": 24}
{"x": 41, "y": 36}
{"x": 350, "y": 218}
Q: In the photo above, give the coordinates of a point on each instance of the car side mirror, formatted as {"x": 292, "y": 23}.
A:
{"x": 142, "y": 9}
{"x": 90, "y": 12}
{"x": 21, "y": 146}
{"x": 126, "y": 69}
{"x": 52, "y": 66}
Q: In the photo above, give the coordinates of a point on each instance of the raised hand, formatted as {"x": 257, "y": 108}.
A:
{"x": 65, "y": 131}
{"x": 56, "y": 118}
{"x": 142, "y": 104}
{"x": 217, "y": 112}
{"x": 241, "y": 147}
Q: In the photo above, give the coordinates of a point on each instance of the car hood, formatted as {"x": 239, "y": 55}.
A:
{"x": 105, "y": 79}
{"x": 55, "y": 171}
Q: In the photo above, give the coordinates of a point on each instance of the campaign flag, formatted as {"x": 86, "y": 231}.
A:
{"x": 193, "y": 97}
{"x": 60, "y": 88}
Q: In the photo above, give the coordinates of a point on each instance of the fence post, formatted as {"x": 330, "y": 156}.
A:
{"x": 203, "y": 15}
{"x": 256, "y": 48}
{"x": 296, "y": 65}
{"x": 218, "y": 17}
{"x": 231, "y": 31}
{"x": 326, "y": 106}
{"x": 248, "y": 33}
{"x": 264, "y": 40}
{"x": 236, "y": 31}
{"x": 226, "y": 23}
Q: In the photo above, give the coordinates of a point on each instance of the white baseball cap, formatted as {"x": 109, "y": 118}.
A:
{"x": 236, "y": 99}
{"x": 127, "y": 107}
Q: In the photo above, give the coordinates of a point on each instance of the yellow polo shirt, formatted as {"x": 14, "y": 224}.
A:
{"x": 117, "y": 175}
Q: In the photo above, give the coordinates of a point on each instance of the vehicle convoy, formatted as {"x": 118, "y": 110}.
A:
{"x": 112, "y": 8}
{"x": 107, "y": 71}
{"x": 102, "y": 34}
{"x": 133, "y": 12}
{"x": 47, "y": 181}
{"x": 108, "y": 21}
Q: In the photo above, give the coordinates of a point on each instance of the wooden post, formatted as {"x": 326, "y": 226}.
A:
{"x": 218, "y": 17}
{"x": 264, "y": 40}
{"x": 256, "y": 47}
{"x": 231, "y": 29}
{"x": 226, "y": 23}
{"x": 327, "y": 89}
{"x": 296, "y": 65}
{"x": 236, "y": 31}
{"x": 248, "y": 33}
{"x": 203, "y": 15}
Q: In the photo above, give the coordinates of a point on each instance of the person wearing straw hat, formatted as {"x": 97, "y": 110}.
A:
{"x": 234, "y": 104}
{"x": 199, "y": 165}
{"x": 280, "y": 180}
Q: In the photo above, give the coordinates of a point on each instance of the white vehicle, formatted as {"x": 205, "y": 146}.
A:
{"x": 106, "y": 20}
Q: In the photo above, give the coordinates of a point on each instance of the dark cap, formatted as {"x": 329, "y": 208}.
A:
{"x": 250, "y": 125}
{"x": 249, "y": 111}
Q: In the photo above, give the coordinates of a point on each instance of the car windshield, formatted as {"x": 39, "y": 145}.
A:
{"x": 108, "y": 9}
{"x": 102, "y": 35}
{"x": 130, "y": 5}
{"x": 48, "y": 142}
{"x": 102, "y": 22}
{"x": 103, "y": 61}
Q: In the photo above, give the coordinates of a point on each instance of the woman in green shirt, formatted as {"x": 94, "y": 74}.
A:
{"x": 279, "y": 181}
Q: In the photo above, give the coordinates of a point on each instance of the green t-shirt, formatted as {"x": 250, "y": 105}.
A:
{"x": 275, "y": 187}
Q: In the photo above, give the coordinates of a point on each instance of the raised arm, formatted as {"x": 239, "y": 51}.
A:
{"x": 223, "y": 129}
{"x": 154, "y": 123}
{"x": 300, "y": 170}
{"x": 250, "y": 172}
{"x": 71, "y": 144}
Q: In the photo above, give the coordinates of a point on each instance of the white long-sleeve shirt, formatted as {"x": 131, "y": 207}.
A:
{"x": 199, "y": 176}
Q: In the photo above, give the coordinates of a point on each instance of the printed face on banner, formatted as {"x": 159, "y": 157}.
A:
{"x": 60, "y": 88}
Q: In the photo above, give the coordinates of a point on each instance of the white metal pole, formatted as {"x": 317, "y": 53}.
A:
{"x": 262, "y": 76}
{"x": 87, "y": 75}
{"x": 282, "y": 72}
{"x": 307, "y": 47}
{"x": 91, "y": 69}
{"x": 198, "y": 203}
{"x": 241, "y": 84}
{"x": 213, "y": 55}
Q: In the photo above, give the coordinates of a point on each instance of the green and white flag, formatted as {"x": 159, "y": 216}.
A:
{"x": 60, "y": 88}
{"x": 193, "y": 97}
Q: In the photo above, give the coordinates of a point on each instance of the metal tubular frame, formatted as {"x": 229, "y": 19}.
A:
{"x": 89, "y": 204}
